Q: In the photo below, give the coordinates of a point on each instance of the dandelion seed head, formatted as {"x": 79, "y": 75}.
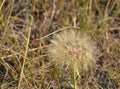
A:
{"x": 70, "y": 46}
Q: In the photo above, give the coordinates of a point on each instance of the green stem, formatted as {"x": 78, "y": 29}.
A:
{"x": 74, "y": 77}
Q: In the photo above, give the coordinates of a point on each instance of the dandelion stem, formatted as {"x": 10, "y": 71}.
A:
{"x": 74, "y": 77}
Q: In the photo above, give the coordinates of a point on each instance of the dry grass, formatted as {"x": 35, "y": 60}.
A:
{"x": 26, "y": 27}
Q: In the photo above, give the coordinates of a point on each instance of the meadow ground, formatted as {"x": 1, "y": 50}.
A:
{"x": 26, "y": 28}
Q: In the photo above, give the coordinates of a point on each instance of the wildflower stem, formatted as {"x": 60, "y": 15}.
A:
{"x": 74, "y": 76}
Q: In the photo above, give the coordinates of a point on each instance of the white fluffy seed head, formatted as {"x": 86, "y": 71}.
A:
{"x": 70, "y": 47}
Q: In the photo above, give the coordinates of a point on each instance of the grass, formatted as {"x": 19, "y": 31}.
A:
{"x": 26, "y": 28}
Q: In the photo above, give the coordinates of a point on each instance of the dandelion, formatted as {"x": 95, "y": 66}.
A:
{"x": 70, "y": 47}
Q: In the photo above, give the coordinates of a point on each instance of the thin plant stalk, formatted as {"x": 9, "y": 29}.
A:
{"x": 75, "y": 81}
{"x": 24, "y": 61}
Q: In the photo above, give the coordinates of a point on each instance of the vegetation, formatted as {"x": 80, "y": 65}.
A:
{"x": 26, "y": 28}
